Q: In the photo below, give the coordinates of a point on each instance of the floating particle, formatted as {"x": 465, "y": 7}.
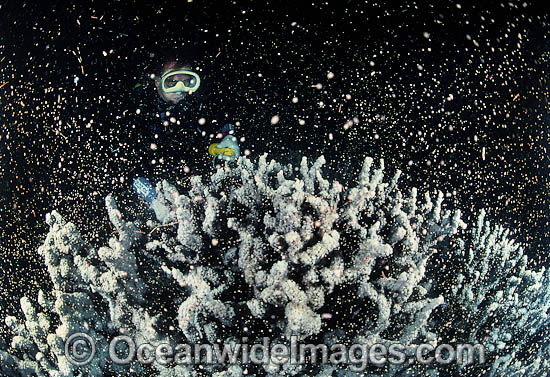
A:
{"x": 275, "y": 119}
{"x": 202, "y": 121}
{"x": 330, "y": 75}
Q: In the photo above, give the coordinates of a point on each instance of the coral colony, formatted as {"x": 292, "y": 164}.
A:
{"x": 265, "y": 250}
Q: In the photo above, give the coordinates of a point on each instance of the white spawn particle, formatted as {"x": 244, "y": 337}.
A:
{"x": 348, "y": 124}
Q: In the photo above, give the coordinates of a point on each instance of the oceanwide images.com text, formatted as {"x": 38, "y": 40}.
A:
{"x": 80, "y": 350}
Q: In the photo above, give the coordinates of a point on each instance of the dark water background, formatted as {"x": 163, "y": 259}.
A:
{"x": 489, "y": 57}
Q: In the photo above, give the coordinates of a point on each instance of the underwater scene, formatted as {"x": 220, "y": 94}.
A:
{"x": 269, "y": 189}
